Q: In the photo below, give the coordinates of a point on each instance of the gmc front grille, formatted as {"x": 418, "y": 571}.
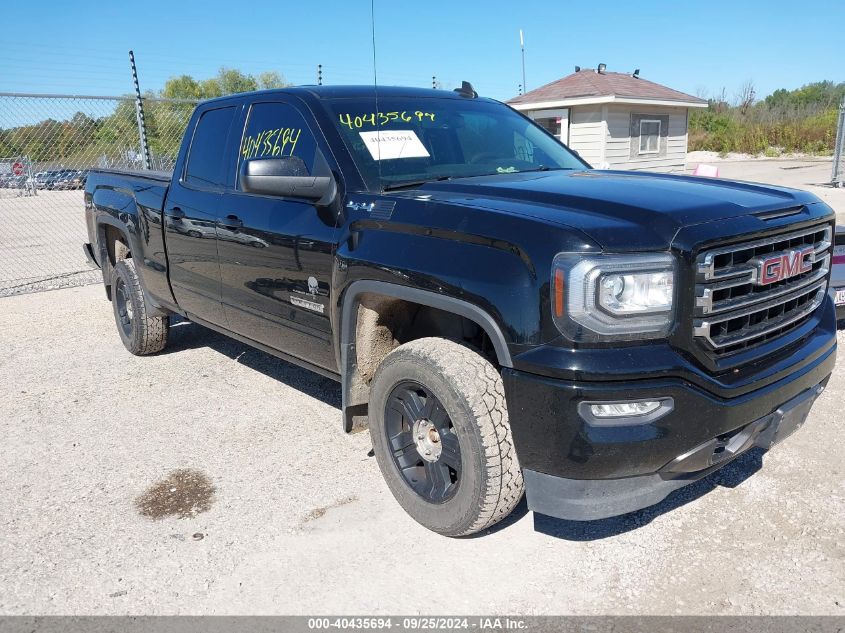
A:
{"x": 751, "y": 292}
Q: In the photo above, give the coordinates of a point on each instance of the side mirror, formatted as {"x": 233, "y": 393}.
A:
{"x": 286, "y": 176}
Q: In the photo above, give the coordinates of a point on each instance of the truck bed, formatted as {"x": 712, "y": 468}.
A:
{"x": 132, "y": 200}
{"x": 147, "y": 174}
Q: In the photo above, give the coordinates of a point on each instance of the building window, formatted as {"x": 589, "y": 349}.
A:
{"x": 649, "y": 136}
{"x": 552, "y": 126}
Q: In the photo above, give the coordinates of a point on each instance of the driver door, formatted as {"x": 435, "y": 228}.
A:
{"x": 276, "y": 253}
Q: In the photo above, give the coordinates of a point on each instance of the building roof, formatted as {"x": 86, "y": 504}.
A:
{"x": 588, "y": 86}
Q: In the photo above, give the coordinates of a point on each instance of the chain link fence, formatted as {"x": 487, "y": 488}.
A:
{"x": 838, "y": 177}
{"x": 47, "y": 145}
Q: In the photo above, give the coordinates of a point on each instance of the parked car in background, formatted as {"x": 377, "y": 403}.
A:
{"x": 837, "y": 278}
{"x": 39, "y": 179}
{"x": 14, "y": 182}
{"x": 45, "y": 179}
{"x": 73, "y": 179}
{"x": 61, "y": 181}
{"x": 55, "y": 179}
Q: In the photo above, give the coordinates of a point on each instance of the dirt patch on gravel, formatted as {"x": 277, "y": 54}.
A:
{"x": 185, "y": 493}
{"x": 317, "y": 513}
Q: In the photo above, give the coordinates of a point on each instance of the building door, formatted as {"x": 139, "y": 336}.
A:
{"x": 554, "y": 121}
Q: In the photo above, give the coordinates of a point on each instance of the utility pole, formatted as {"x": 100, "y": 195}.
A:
{"x": 139, "y": 115}
{"x": 522, "y": 47}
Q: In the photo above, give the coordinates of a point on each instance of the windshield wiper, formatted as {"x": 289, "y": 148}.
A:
{"x": 543, "y": 168}
{"x": 523, "y": 171}
{"x": 410, "y": 184}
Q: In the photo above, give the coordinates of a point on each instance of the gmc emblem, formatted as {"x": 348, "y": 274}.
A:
{"x": 779, "y": 266}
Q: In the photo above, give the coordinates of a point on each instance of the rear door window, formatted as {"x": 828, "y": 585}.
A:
{"x": 207, "y": 161}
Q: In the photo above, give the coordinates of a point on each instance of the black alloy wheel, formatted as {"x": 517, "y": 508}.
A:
{"x": 124, "y": 310}
{"x": 423, "y": 440}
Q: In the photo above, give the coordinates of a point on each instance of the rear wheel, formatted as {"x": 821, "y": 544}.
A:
{"x": 141, "y": 334}
{"x": 441, "y": 436}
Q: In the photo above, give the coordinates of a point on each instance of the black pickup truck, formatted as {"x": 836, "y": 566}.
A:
{"x": 500, "y": 316}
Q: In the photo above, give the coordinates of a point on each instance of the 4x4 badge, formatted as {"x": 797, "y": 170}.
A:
{"x": 360, "y": 206}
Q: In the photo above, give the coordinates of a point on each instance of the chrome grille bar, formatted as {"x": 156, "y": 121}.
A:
{"x": 761, "y": 329}
{"x": 706, "y": 264}
{"x": 733, "y": 310}
{"x": 708, "y": 306}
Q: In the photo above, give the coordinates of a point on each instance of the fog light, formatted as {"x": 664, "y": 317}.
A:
{"x": 620, "y": 413}
{"x": 624, "y": 409}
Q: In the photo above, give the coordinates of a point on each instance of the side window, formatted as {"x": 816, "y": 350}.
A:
{"x": 206, "y": 168}
{"x": 274, "y": 130}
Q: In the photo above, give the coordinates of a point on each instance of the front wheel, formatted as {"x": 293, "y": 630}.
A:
{"x": 141, "y": 334}
{"x": 440, "y": 432}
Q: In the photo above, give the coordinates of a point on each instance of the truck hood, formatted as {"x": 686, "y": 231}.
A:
{"x": 620, "y": 210}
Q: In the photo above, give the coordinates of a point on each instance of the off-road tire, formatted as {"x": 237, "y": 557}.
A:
{"x": 470, "y": 389}
{"x": 144, "y": 334}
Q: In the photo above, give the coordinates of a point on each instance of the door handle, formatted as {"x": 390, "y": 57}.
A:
{"x": 175, "y": 212}
{"x": 230, "y": 222}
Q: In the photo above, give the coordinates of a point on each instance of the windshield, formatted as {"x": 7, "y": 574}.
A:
{"x": 407, "y": 141}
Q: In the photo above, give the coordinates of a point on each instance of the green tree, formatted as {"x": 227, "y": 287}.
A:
{"x": 271, "y": 79}
{"x": 821, "y": 94}
{"x": 211, "y": 88}
{"x": 227, "y": 81}
{"x": 182, "y": 87}
{"x": 233, "y": 81}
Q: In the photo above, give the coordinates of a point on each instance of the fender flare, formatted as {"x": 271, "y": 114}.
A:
{"x": 349, "y": 319}
{"x": 133, "y": 242}
{"x": 102, "y": 221}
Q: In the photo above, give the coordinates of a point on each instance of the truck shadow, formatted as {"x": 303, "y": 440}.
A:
{"x": 730, "y": 476}
{"x": 185, "y": 335}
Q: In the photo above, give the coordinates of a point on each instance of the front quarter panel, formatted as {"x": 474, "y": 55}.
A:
{"x": 498, "y": 262}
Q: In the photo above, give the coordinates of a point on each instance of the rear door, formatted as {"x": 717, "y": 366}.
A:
{"x": 191, "y": 212}
{"x": 276, "y": 253}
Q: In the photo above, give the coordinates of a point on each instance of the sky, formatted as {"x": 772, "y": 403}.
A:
{"x": 697, "y": 47}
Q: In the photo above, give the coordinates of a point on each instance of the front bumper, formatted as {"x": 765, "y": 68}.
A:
{"x": 581, "y": 471}
{"x": 587, "y": 500}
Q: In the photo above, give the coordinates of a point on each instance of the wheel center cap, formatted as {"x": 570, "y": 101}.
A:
{"x": 428, "y": 440}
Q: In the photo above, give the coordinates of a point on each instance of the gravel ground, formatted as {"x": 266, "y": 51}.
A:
{"x": 41, "y": 242}
{"x": 810, "y": 173}
{"x": 216, "y": 479}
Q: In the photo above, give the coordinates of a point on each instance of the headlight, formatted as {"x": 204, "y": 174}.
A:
{"x": 618, "y": 297}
